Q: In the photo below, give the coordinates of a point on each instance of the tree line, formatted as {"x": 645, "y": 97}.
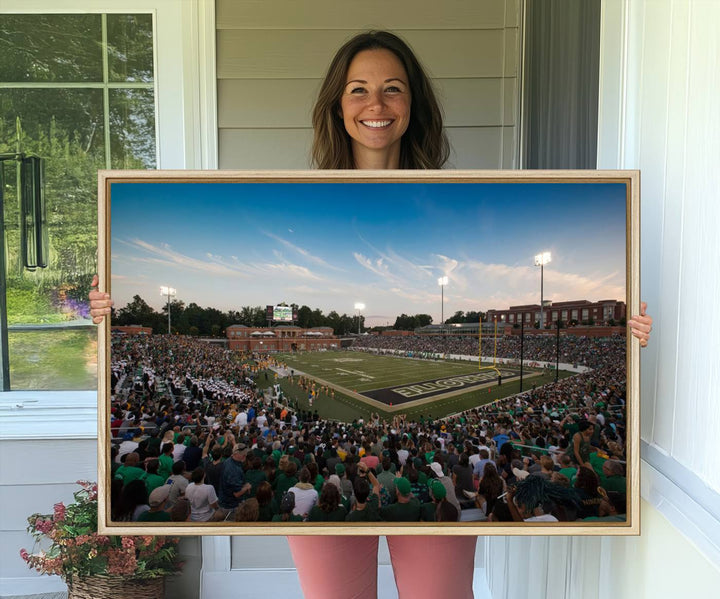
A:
{"x": 192, "y": 319}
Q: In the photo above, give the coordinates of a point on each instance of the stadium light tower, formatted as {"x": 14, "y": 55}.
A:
{"x": 442, "y": 281}
{"x": 359, "y": 306}
{"x": 170, "y": 292}
{"x": 541, "y": 260}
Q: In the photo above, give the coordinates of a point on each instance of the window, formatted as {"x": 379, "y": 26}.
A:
{"x": 78, "y": 91}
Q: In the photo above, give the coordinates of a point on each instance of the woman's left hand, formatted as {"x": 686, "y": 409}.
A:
{"x": 641, "y": 325}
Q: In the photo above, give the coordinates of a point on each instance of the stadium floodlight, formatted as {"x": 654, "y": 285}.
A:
{"x": 442, "y": 281}
{"x": 359, "y": 306}
{"x": 169, "y": 292}
{"x": 541, "y": 260}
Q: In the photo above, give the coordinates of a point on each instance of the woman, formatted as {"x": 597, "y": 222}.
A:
{"x": 377, "y": 110}
{"x": 587, "y": 486}
{"x": 266, "y": 502}
{"x": 329, "y": 507}
{"x": 133, "y": 501}
{"x": 491, "y": 486}
{"x": 579, "y": 450}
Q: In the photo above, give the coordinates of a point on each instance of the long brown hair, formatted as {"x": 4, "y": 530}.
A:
{"x": 424, "y": 144}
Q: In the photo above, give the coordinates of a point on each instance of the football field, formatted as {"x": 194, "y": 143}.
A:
{"x": 398, "y": 384}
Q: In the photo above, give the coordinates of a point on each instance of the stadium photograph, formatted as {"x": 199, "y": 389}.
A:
{"x": 284, "y": 353}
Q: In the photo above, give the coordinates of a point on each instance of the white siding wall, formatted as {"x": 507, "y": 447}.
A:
{"x": 271, "y": 57}
{"x": 659, "y": 85}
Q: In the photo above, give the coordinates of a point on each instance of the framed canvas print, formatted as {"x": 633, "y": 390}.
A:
{"x": 361, "y": 352}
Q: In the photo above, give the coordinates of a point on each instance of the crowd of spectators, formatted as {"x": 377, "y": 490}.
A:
{"x": 574, "y": 349}
{"x": 196, "y": 439}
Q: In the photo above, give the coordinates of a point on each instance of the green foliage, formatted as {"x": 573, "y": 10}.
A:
{"x": 195, "y": 320}
{"x": 27, "y": 304}
{"x": 410, "y": 323}
{"x": 461, "y": 317}
{"x": 53, "y": 359}
{"x": 66, "y": 127}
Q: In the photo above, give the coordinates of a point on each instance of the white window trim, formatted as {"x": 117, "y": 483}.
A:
{"x": 48, "y": 415}
{"x": 679, "y": 494}
{"x": 186, "y": 126}
{"x": 668, "y": 485}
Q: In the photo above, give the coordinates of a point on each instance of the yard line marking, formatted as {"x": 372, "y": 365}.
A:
{"x": 357, "y": 372}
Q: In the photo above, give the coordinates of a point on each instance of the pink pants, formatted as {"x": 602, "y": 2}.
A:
{"x": 424, "y": 566}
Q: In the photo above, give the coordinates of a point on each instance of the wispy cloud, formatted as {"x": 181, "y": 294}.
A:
{"x": 165, "y": 255}
{"x": 293, "y": 270}
{"x": 378, "y": 266}
{"x": 521, "y": 285}
{"x": 303, "y": 252}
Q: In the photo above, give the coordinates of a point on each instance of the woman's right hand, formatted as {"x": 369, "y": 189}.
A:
{"x": 100, "y": 302}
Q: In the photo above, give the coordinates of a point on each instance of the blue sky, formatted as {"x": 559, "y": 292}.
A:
{"x": 329, "y": 245}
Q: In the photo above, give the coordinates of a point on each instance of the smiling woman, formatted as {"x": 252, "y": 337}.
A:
{"x": 375, "y": 108}
{"x": 364, "y": 107}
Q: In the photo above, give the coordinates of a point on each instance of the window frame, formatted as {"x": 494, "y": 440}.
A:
{"x": 186, "y": 138}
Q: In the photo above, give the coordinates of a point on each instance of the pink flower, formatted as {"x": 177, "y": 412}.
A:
{"x": 59, "y": 512}
{"x": 24, "y": 555}
{"x": 121, "y": 562}
{"x": 128, "y": 543}
{"x": 43, "y": 526}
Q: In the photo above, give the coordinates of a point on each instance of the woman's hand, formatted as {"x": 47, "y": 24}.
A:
{"x": 641, "y": 325}
{"x": 100, "y": 302}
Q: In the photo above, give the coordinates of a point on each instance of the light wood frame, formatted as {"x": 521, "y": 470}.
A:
{"x": 631, "y": 179}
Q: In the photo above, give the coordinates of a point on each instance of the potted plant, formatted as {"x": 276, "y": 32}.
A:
{"x": 94, "y": 566}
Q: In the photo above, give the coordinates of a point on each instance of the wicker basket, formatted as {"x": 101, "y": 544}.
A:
{"x": 116, "y": 587}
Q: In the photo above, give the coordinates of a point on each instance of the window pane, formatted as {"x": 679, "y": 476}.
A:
{"x": 51, "y": 118}
{"x": 130, "y": 47}
{"x": 38, "y": 48}
{"x": 65, "y": 128}
{"x": 54, "y": 359}
{"x": 132, "y": 128}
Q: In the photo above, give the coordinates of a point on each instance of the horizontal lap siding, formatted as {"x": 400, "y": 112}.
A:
{"x": 271, "y": 58}
{"x": 351, "y": 14}
{"x": 34, "y": 475}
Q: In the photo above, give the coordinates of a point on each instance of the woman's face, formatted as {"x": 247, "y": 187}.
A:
{"x": 375, "y": 103}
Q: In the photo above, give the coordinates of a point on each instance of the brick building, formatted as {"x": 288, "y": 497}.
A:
{"x": 581, "y": 312}
{"x": 282, "y": 338}
{"x": 132, "y": 329}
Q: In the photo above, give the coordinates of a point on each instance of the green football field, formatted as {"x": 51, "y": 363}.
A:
{"x": 363, "y": 372}
{"x": 365, "y": 383}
